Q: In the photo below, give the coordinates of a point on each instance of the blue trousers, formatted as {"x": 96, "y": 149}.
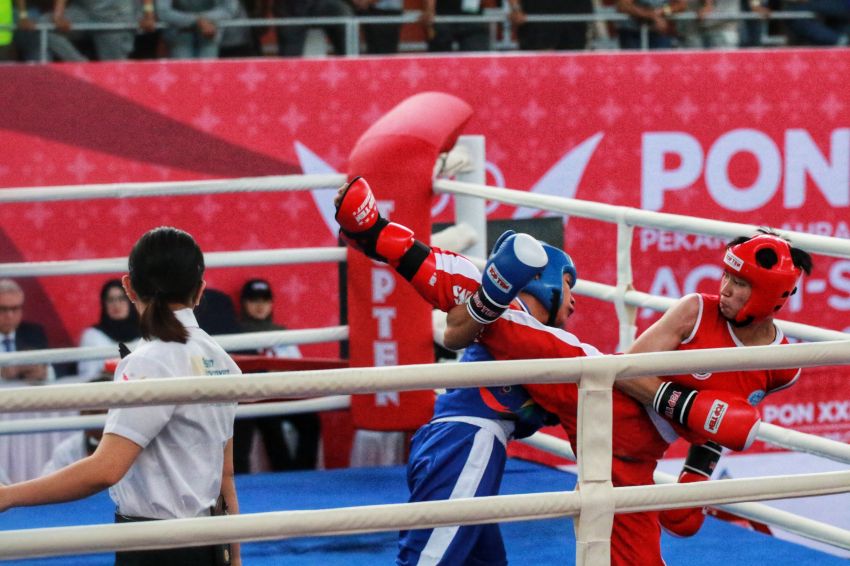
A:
{"x": 452, "y": 460}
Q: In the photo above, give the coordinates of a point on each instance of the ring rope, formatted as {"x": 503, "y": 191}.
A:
{"x": 802, "y": 526}
{"x": 230, "y": 342}
{"x": 243, "y": 411}
{"x": 836, "y": 247}
{"x": 802, "y": 442}
{"x": 393, "y": 517}
{"x": 624, "y": 215}
{"x": 286, "y": 256}
{"x": 179, "y": 188}
{"x": 415, "y": 377}
{"x": 808, "y": 528}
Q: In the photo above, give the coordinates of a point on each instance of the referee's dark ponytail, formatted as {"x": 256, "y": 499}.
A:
{"x": 166, "y": 266}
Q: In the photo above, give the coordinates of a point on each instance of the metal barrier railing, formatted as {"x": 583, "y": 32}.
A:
{"x": 492, "y": 17}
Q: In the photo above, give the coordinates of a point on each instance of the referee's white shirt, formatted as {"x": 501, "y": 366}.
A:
{"x": 178, "y": 472}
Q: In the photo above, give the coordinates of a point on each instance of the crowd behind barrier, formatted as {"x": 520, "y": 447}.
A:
{"x": 288, "y": 442}
{"x": 119, "y": 29}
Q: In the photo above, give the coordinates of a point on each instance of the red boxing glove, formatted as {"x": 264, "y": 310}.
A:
{"x": 715, "y": 415}
{"x": 684, "y": 522}
{"x": 363, "y": 227}
{"x": 701, "y": 461}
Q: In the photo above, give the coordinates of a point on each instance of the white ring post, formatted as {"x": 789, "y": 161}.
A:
{"x": 625, "y": 312}
{"x": 595, "y": 426}
{"x": 471, "y": 210}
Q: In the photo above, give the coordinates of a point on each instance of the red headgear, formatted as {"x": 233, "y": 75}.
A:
{"x": 772, "y": 286}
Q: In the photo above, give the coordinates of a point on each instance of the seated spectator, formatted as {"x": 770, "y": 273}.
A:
{"x": 7, "y": 52}
{"x": 291, "y": 441}
{"x": 380, "y": 39}
{"x": 216, "y": 314}
{"x": 652, "y": 13}
{"x": 239, "y": 41}
{"x": 194, "y": 31}
{"x": 290, "y": 39}
{"x": 831, "y": 27}
{"x": 751, "y": 32}
{"x": 711, "y": 33}
{"x": 25, "y": 37}
{"x": 118, "y": 323}
{"x": 80, "y": 444}
{"x": 111, "y": 45}
{"x": 539, "y": 36}
{"x": 445, "y": 37}
{"x": 17, "y": 335}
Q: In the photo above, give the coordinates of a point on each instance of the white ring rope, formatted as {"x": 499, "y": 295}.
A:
{"x": 287, "y": 256}
{"x": 812, "y": 243}
{"x": 356, "y": 520}
{"x": 802, "y": 442}
{"x": 253, "y": 410}
{"x": 453, "y": 237}
{"x": 802, "y": 526}
{"x": 179, "y": 188}
{"x": 416, "y": 377}
{"x": 230, "y": 342}
{"x": 353, "y": 381}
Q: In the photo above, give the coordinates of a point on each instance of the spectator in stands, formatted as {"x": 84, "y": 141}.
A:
{"x": 239, "y": 41}
{"x": 290, "y": 39}
{"x": 81, "y": 443}
{"x": 652, "y": 13}
{"x": 444, "y": 37}
{"x": 751, "y": 32}
{"x": 216, "y": 313}
{"x": 17, "y": 335}
{"x": 711, "y": 33}
{"x": 831, "y": 27}
{"x": 26, "y": 38}
{"x": 291, "y": 441}
{"x": 7, "y": 52}
{"x": 380, "y": 38}
{"x": 194, "y": 31}
{"x": 118, "y": 323}
{"x": 109, "y": 45}
{"x": 539, "y": 36}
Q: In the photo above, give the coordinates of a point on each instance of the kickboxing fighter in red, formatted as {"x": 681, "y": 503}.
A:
{"x": 760, "y": 274}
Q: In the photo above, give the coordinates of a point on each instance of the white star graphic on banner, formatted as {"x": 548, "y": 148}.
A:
{"x": 759, "y": 108}
{"x": 80, "y": 168}
{"x": 648, "y": 68}
{"x": 686, "y": 109}
{"x": 610, "y": 111}
{"x": 163, "y": 78}
{"x": 533, "y": 113}
{"x": 206, "y": 121}
{"x": 252, "y": 119}
{"x": 251, "y": 77}
{"x": 333, "y": 75}
{"x": 38, "y": 214}
{"x": 208, "y": 209}
{"x": 494, "y": 72}
{"x": 723, "y": 68}
{"x": 832, "y": 106}
{"x": 796, "y": 66}
{"x": 571, "y": 70}
{"x": 292, "y": 119}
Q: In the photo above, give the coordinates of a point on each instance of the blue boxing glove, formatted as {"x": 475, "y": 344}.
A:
{"x": 515, "y": 260}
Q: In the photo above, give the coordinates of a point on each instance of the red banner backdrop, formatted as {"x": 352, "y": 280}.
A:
{"x": 757, "y": 137}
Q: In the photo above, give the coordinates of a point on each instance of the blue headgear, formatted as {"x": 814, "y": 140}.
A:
{"x": 548, "y": 288}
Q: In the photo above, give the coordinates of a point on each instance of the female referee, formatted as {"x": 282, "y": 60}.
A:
{"x": 159, "y": 462}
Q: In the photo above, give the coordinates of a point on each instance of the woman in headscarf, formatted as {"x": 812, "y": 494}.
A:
{"x": 118, "y": 323}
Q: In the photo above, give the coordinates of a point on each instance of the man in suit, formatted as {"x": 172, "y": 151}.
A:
{"x": 16, "y": 335}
